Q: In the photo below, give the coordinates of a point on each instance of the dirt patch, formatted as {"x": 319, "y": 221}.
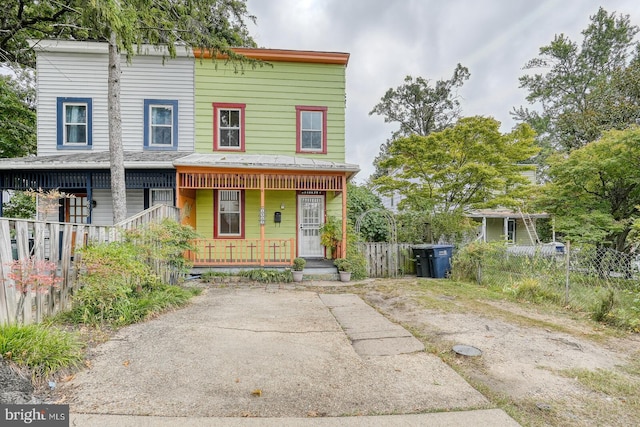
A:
{"x": 530, "y": 358}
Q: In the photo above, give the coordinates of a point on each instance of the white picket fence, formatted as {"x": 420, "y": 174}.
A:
{"x": 30, "y": 241}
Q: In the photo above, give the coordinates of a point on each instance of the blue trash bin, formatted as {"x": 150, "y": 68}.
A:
{"x": 440, "y": 256}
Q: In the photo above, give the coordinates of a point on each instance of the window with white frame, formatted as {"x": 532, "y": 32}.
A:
{"x": 74, "y": 122}
{"x": 228, "y": 126}
{"x": 311, "y": 124}
{"x": 229, "y": 213}
{"x": 160, "y": 124}
{"x": 161, "y": 196}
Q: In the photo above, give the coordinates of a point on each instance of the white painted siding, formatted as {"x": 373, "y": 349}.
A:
{"x": 65, "y": 74}
{"x": 135, "y": 202}
{"x": 103, "y": 212}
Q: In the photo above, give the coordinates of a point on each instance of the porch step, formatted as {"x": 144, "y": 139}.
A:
{"x": 320, "y": 269}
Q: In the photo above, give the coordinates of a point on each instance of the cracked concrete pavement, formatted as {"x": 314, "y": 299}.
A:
{"x": 272, "y": 353}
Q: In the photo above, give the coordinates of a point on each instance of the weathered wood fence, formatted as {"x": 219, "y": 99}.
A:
{"x": 28, "y": 241}
{"x": 388, "y": 259}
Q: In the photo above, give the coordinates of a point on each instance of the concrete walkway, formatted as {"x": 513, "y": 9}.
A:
{"x": 269, "y": 356}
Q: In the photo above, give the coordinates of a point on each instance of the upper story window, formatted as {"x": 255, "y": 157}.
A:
{"x": 160, "y": 124}
{"x": 228, "y": 126}
{"x": 311, "y": 129}
{"x": 74, "y": 123}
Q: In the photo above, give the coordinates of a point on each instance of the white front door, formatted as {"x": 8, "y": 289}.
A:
{"x": 310, "y": 219}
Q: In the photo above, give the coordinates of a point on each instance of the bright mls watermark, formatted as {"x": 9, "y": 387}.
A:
{"x": 34, "y": 415}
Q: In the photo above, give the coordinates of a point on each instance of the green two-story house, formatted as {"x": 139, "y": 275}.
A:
{"x": 268, "y": 166}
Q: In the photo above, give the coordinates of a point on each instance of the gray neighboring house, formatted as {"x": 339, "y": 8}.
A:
{"x": 157, "y": 106}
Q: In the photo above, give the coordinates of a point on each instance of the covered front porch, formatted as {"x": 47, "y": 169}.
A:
{"x": 515, "y": 227}
{"x": 260, "y": 210}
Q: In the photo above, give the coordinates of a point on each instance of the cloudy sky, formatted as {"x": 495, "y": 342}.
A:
{"x": 390, "y": 39}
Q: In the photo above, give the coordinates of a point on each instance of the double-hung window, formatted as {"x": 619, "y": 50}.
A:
{"x": 74, "y": 123}
{"x": 228, "y": 126}
{"x": 311, "y": 129}
{"x": 160, "y": 124}
{"x": 229, "y": 213}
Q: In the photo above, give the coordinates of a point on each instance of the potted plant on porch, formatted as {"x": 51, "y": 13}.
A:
{"x": 298, "y": 266}
{"x": 344, "y": 268}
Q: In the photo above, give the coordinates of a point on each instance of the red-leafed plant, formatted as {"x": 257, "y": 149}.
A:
{"x": 32, "y": 275}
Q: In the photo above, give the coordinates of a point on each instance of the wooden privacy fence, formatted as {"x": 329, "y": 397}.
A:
{"x": 32, "y": 249}
{"x": 388, "y": 259}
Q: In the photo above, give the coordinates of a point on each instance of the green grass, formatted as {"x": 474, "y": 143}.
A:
{"x": 267, "y": 276}
{"x": 117, "y": 307}
{"x": 42, "y": 349}
{"x": 619, "y": 388}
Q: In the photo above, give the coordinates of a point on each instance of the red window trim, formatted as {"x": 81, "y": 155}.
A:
{"x": 216, "y": 124}
{"x": 300, "y": 109}
{"x": 216, "y": 235}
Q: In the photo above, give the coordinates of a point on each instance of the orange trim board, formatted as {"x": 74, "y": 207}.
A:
{"x": 281, "y": 55}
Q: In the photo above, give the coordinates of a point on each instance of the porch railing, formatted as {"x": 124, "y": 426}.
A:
{"x": 242, "y": 252}
{"x": 154, "y": 214}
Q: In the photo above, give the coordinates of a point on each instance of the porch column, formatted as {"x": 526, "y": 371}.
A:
{"x": 484, "y": 229}
{"x": 343, "y": 246}
{"x": 89, "y": 185}
{"x": 505, "y": 228}
{"x": 179, "y": 199}
{"x": 262, "y": 220}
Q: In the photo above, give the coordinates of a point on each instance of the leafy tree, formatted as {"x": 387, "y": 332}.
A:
{"x": 419, "y": 108}
{"x": 585, "y": 89}
{"x": 18, "y": 129}
{"x": 21, "y": 205}
{"x": 22, "y": 20}
{"x": 595, "y": 190}
{"x": 471, "y": 165}
{"x": 360, "y": 199}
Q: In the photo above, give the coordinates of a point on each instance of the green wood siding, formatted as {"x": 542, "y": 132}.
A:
{"x": 270, "y": 95}
{"x": 204, "y": 213}
{"x": 495, "y": 231}
{"x": 273, "y": 199}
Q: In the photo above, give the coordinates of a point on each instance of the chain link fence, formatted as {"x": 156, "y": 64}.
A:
{"x": 565, "y": 273}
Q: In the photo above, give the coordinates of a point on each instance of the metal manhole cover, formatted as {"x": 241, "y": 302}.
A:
{"x": 467, "y": 350}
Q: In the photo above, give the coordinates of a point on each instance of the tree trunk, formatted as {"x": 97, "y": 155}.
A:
{"x": 116, "y": 150}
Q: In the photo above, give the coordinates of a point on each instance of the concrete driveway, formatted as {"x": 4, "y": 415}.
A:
{"x": 275, "y": 354}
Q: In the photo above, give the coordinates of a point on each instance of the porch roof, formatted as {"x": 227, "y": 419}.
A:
{"x": 85, "y": 160}
{"x": 265, "y": 162}
{"x": 503, "y": 213}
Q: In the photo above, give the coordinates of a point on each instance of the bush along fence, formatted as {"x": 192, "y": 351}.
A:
{"x": 38, "y": 262}
{"x": 599, "y": 280}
